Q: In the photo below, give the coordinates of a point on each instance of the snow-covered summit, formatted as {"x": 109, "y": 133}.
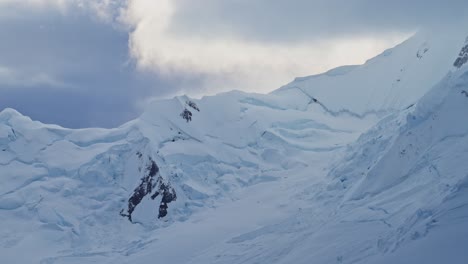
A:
{"x": 306, "y": 168}
{"x": 7, "y": 113}
{"x": 391, "y": 81}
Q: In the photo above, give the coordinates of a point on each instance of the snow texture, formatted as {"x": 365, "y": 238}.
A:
{"x": 362, "y": 164}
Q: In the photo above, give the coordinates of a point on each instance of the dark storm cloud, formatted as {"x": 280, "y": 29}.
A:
{"x": 306, "y": 20}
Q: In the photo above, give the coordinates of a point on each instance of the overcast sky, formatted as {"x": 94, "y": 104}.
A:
{"x": 82, "y": 63}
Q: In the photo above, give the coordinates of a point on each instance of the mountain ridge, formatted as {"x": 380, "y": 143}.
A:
{"x": 290, "y": 170}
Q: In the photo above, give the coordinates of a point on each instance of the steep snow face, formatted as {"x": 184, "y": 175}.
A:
{"x": 61, "y": 188}
{"x": 442, "y": 172}
{"x": 398, "y": 196}
{"x": 96, "y": 190}
{"x": 415, "y": 180}
{"x": 391, "y": 81}
{"x": 405, "y": 185}
{"x": 178, "y": 175}
{"x": 223, "y": 143}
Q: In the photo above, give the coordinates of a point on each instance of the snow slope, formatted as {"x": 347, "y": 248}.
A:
{"x": 251, "y": 178}
{"x": 393, "y": 80}
{"x": 398, "y": 196}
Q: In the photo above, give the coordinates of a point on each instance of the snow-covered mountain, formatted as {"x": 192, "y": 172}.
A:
{"x": 362, "y": 164}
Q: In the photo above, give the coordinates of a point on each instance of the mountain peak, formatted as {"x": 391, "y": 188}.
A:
{"x": 321, "y": 159}
{"x": 8, "y": 113}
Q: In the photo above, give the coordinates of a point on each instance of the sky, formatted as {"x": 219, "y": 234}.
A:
{"x": 97, "y": 63}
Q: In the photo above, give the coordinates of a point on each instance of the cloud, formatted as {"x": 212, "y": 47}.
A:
{"x": 96, "y": 62}
{"x": 36, "y": 3}
{"x": 69, "y": 66}
{"x": 234, "y": 61}
{"x": 308, "y": 20}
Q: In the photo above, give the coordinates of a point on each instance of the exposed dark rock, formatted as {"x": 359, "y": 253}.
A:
{"x": 187, "y": 115}
{"x": 168, "y": 195}
{"x": 462, "y": 57}
{"x": 193, "y": 105}
{"x": 139, "y": 154}
{"x": 464, "y": 93}
{"x": 150, "y": 181}
{"x": 420, "y": 53}
{"x": 422, "y": 50}
{"x": 145, "y": 187}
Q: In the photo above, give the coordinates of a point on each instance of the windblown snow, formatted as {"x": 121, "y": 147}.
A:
{"x": 361, "y": 164}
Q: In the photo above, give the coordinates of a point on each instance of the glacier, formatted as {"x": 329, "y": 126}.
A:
{"x": 361, "y": 164}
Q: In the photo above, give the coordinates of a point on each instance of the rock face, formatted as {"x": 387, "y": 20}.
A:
{"x": 150, "y": 182}
{"x": 462, "y": 57}
{"x": 167, "y": 194}
{"x": 193, "y": 105}
{"x": 422, "y": 50}
{"x": 187, "y": 115}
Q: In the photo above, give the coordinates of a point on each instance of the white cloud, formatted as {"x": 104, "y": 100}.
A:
{"x": 231, "y": 62}
{"x": 218, "y": 62}
{"x": 61, "y": 4}
{"x": 61, "y": 56}
{"x": 106, "y": 10}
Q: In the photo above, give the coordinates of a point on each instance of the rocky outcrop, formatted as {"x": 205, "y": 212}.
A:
{"x": 167, "y": 195}
{"x": 151, "y": 181}
{"x": 422, "y": 50}
{"x": 187, "y": 115}
{"x": 193, "y": 105}
{"x": 462, "y": 56}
